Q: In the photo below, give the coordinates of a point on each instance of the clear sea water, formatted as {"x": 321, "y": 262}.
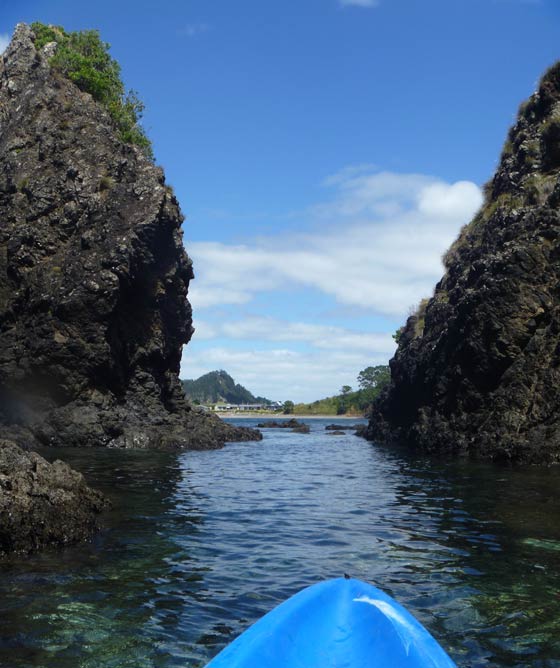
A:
{"x": 201, "y": 544}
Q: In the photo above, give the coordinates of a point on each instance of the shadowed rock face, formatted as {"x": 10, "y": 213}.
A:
{"x": 93, "y": 275}
{"x": 477, "y": 370}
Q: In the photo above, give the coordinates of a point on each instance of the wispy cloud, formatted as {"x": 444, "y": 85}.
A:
{"x": 377, "y": 245}
{"x": 323, "y": 337}
{"x": 347, "y": 173}
{"x": 359, "y": 3}
{"x": 4, "y": 41}
{"x": 193, "y": 29}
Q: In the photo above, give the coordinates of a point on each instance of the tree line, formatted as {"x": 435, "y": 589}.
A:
{"x": 371, "y": 381}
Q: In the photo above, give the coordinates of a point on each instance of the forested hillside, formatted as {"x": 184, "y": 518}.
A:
{"x": 219, "y": 386}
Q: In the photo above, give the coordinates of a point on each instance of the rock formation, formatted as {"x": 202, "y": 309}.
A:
{"x": 93, "y": 275}
{"x": 295, "y": 425}
{"x": 42, "y": 504}
{"x": 477, "y": 370}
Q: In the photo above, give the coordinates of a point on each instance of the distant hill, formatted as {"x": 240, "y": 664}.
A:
{"x": 217, "y": 387}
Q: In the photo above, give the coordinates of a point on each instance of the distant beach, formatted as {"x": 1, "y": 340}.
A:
{"x": 247, "y": 415}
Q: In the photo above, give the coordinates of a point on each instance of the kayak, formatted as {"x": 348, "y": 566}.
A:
{"x": 340, "y": 623}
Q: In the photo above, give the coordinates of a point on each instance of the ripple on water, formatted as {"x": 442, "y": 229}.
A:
{"x": 201, "y": 544}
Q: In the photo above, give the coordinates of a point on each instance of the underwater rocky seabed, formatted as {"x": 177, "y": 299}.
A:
{"x": 200, "y": 544}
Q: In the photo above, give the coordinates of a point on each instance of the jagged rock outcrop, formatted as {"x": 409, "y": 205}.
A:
{"x": 477, "y": 370}
{"x": 93, "y": 275}
{"x": 43, "y": 504}
{"x": 294, "y": 425}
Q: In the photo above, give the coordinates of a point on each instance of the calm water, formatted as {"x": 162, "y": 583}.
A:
{"x": 201, "y": 544}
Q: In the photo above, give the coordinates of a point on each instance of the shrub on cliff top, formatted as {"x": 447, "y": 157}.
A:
{"x": 84, "y": 58}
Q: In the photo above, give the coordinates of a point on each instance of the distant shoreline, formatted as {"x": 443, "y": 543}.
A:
{"x": 279, "y": 416}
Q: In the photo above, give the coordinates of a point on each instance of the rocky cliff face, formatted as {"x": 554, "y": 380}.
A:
{"x": 93, "y": 275}
{"x": 477, "y": 370}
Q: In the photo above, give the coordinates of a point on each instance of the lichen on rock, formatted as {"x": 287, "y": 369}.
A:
{"x": 93, "y": 275}
{"x": 477, "y": 373}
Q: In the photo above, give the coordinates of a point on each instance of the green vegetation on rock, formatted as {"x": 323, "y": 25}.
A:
{"x": 421, "y": 317}
{"x": 84, "y": 58}
{"x": 397, "y": 335}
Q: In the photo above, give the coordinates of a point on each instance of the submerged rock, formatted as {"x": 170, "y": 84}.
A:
{"x": 477, "y": 370}
{"x": 542, "y": 544}
{"x": 43, "y": 504}
{"x": 93, "y": 275}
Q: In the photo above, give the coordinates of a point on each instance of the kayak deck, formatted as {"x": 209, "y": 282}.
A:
{"x": 340, "y": 623}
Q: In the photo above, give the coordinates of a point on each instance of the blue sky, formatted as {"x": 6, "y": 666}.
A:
{"x": 325, "y": 153}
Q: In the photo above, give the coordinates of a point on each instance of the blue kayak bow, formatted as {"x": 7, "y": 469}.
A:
{"x": 341, "y": 623}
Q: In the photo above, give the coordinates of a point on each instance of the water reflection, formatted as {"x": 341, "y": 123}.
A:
{"x": 114, "y": 602}
{"x": 501, "y": 606}
{"x": 201, "y": 544}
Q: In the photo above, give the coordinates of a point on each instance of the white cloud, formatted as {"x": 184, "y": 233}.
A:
{"x": 319, "y": 336}
{"x": 217, "y": 295}
{"x": 376, "y": 244}
{"x": 349, "y": 172}
{"x": 359, "y": 3}
{"x": 449, "y": 202}
{"x": 204, "y": 331}
{"x": 4, "y": 41}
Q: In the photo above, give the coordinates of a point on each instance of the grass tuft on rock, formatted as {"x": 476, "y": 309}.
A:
{"x": 84, "y": 58}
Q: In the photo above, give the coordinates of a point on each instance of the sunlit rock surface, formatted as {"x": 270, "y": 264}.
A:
{"x": 477, "y": 370}
{"x": 93, "y": 276}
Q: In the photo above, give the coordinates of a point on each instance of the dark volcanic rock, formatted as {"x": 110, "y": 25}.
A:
{"x": 477, "y": 370}
{"x": 338, "y": 427}
{"x": 302, "y": 429}
{"x": 293, "y": 424}
{"x": 93, "y": 275}
{"x": 42, "y": 504}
